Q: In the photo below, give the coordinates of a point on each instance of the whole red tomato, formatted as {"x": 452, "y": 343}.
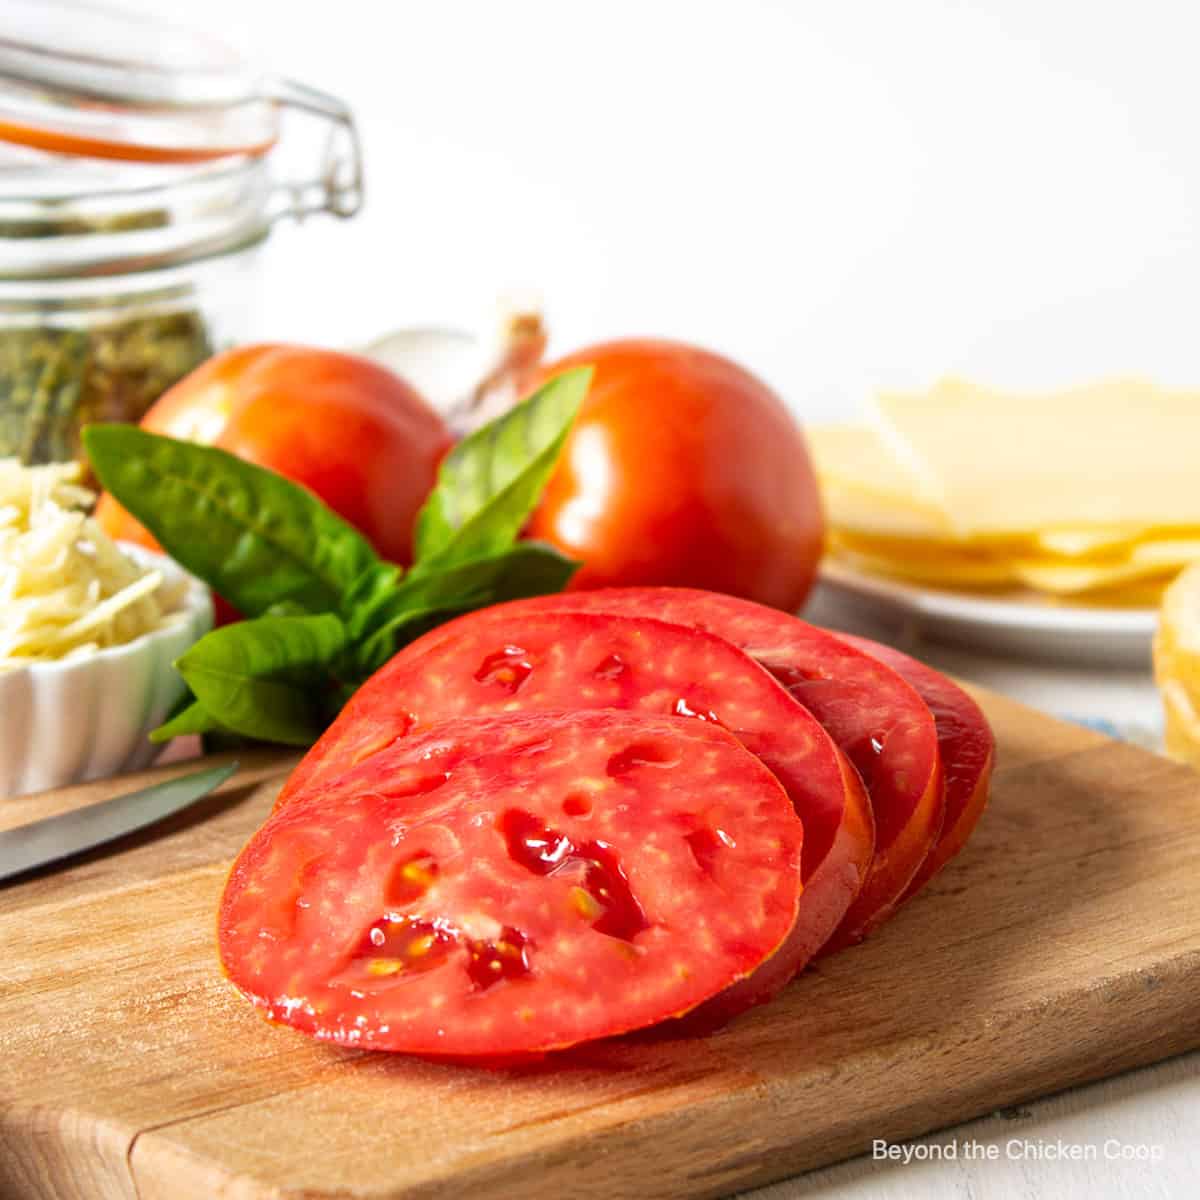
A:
{"x": 683, "y": 469}
{"x": 346, "y": 428}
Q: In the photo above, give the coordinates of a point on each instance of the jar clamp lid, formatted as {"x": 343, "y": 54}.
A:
{"x": 128, "y": 143}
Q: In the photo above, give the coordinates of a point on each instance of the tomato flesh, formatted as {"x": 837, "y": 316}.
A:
{"x": 876, "y": 718}
{"x": 526, "y": 926}
{"x": 500, "y": 660}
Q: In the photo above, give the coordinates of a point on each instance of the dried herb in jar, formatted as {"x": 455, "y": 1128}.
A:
{"x": 54, "y": 380}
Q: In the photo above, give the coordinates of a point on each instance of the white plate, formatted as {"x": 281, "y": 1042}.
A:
{"x": 1017, "y": 623}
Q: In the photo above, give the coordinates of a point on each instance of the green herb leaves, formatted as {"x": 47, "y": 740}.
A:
{"x": 429, "y": 596}
{"x": 324, "y": 611}
{"x": 491, "y": 481}
{"x": 257, "y": 539}
{"x": 267, "y": 678}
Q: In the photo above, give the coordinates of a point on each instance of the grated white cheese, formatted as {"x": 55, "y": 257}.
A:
{"x": 66, "y": 588}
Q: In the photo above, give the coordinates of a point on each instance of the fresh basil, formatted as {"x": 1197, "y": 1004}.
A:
{"x": 192, "y": 719}
{"x": 491, "y": 481}
{"x": 370, "y": 600}
{"x": 257, "y": 538}
{"x": 527, "y": 569}
{"x": 267, "y": 678}
{"x": 326, "y": 611}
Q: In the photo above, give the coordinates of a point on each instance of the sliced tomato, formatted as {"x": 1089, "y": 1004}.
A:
{"x": 873, "y": 715}
{"x": 496, "y": 660}
{"x": 967, "y": 746}
{"x": 503, "y": 886}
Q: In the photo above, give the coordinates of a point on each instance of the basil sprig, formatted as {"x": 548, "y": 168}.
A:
{"x": 490, "y": 482}
{"x": 255, "y": 537}
{"x": 323, "y": 610}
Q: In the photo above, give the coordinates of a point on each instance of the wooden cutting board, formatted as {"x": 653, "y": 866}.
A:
{"x": 1063, "y": 945}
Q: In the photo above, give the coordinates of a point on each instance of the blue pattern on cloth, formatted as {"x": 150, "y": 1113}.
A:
{"x": 1139, "y": 734}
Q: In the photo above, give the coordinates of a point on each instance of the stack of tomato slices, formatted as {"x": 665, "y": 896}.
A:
{"x": 577, "y": 816}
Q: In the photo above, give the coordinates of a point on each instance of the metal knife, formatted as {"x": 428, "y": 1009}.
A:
{"x": 46, "y": 841}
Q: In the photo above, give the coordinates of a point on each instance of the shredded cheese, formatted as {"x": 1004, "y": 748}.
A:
{"x": 67, "y": 589}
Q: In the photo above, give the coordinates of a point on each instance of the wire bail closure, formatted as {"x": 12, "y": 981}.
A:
{"x": 338, "y": 188}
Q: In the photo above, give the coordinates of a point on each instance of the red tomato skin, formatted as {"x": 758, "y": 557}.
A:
{"x": 346, "y": 428}
{"x": 967, "y": 745}
{"x": 683, "y": 469}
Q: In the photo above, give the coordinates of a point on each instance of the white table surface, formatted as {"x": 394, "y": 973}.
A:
{"x": 1070, "y": 1146}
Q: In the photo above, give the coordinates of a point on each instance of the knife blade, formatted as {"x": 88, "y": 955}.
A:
{"x": 57, "y": 837}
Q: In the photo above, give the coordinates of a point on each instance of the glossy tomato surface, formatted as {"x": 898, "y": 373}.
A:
{"x": 346, "y": 428}
{"x": 876, "y": 718}
{"x": 504, "y": 886}
{"x": 501, "y": 660}
{"x": 683, "y": 469}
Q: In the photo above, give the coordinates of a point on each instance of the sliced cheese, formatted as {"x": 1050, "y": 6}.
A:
{"x": 1087, "y": 543}
{"x": 864, "y": 487}
{"x": 874, "y": 515}
{"x": 950, "y": 571}
{"x": 1122, "y": 453}
{"x": 1064, "y": 579}
{"x": 857, "y": 455}
{"x": 1143, "y": 570}
{"x": 1168, "y": 552}
{"x": 1146, "y": 594}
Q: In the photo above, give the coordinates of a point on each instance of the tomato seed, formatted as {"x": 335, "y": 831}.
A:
{"x": 411, "y": 879}
{"x": 612, "y": 667}
{"x": 506, "y": 669}
{"x": 544, "y": 851}
{"x": 641, "y": 754}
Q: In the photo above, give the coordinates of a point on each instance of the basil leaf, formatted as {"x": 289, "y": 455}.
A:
{"x": 491, "y": 481}
{"x": 192, "y": 719}
{"x": 268, "y": 678}
{"x": 255, "y": 537}
{"x": 368, "y": 602}
{"x": 527, "y": 569}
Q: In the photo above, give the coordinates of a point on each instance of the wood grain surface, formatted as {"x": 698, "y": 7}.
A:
{"x": 1063, "y": 945}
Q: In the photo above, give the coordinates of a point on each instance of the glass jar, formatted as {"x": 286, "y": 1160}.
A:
{"x": 136, "y": 186}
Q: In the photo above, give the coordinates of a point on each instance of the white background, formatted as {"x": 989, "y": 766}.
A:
{"x": 842, "y": 195}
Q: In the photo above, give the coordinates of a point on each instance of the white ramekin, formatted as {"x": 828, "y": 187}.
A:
{"x": 86, "y": 718}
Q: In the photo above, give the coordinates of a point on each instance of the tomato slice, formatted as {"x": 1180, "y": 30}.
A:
{"x": 873, "y": 715}
{"x": 499, "y": 661}
{"x": 504, "y": 886}
{"x": 967, "y": 746}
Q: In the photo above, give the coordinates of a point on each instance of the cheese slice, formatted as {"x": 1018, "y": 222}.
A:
{"x": 901, "y": 560}
{"x": 1087, "y": 543}
{"x": 1017, "y": 563}
{"x": 1145, "y": 594}
{"x": 856, "y": 455}
{"x": 1167, "y": 552}
{"x": 1123, "y": 453}
{"x": 865, "y": 487}
{"x": 874, "y": 515}
{"x": 1064, "y": 579}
